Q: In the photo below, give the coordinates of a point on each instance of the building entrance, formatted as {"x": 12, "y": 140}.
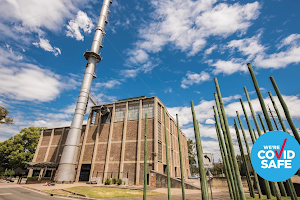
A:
{"x": 85, "y": 172}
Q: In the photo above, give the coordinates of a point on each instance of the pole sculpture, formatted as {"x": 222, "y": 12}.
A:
{"x": 256, "y": 182}
{"x": 235, "y": 164}
{"x": 228, "y": 171}
{"x": 262, "y": 123}
{"x": 250, "y": 186}
{"x": 273, "y": 118}
{"x": 167, "y": 157}
{"x": 202, "y": 173}
{"x": 66, "y": 169}
{"x": 286, "y": 110}
{"x": 248, "y": 122}
{"x": 234, "y": 183}
{"x": 180, "y": 158}
{"x": 145, "y": 160}
{"x": 254, "y": 133}
{"x": 263, "y": 106}
{"x": 293, "y": 194}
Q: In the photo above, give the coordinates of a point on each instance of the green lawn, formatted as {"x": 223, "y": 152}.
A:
{"x": 265, "y": 197}
{"x": 99, "y": 192}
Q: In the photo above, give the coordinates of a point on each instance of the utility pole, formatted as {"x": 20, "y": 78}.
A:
{"x": 66, "y": 169}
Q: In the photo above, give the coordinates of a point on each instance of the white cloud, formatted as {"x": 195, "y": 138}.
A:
{"x": 194, "y": 78}
{"x": 83, "y": 22}
{"x": 229, "y": 67}
{"x": 292, "y": 40}
{"x": 168, "y": 90}
{"x": 210, "y": 50}
{"x": 248, "y": 46}
{"x": 109, "y": 84}
{"x": 186, "y": 24}
{"x": 45, "y": 44}
{"x": 138, "y": 57}
{"x": 209, "y": 121}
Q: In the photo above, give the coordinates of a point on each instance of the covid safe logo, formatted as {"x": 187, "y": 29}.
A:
{"x": 275, "y": 156}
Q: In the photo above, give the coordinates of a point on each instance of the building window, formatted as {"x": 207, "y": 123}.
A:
{"x": 106, "y": 118}
{"x": 120, "y": 114}
{"x": 172, "y": 157}
{"x": 159, "y": 112}
{"x": 159, "y": 151}
{"x": 148, "y": 108}
{"x": 159, "y": 131}
{"x": 93, "y": 119}
{"x": 133, "y": 112}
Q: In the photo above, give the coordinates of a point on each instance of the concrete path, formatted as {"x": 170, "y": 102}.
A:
{"x": 16, "y": 192}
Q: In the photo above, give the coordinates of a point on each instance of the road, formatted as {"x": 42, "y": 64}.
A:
{"x": 19, "y": 193}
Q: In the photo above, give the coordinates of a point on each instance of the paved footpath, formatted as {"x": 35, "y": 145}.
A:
{"x": 15, "y": 192}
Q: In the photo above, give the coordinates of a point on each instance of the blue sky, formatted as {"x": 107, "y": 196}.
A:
{"x": 170, "y": 49}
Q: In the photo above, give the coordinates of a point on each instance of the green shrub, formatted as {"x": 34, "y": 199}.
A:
{"x": 46, "y": 178}
{"x": 124, "y": 182}
{"x": 107, "y": 181}
{"x": 114, "y": 181}
{"x": 34, "y": 178}
{"x": 119, "y": 181}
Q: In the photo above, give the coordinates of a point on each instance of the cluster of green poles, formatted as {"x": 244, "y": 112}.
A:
{"x": 232, "y": 173}
{"x": 202, "y": 171}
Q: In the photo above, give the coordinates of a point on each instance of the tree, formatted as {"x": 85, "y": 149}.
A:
{"x": 19, "y": 149}
{"x": 218, "y": 169}
{"x": 3, "y": 116}
{"x": 192, "y": 156}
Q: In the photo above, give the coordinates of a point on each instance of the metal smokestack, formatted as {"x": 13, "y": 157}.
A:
{"x": 66, "y": 169}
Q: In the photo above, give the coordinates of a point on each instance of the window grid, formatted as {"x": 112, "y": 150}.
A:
{"x": 159, "y": 131}
{"x": 120, "y": 114}
{"x": 159, "y": 112}
{"x": 94, "y": 113}
{"x": 133, "y": 112}
{"x": 149, "y": 110}
{"x": 160, "y": 151}
{"x": 172, "y": 157}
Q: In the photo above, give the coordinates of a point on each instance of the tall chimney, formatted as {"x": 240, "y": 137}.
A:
{"x": 66, "y": 169}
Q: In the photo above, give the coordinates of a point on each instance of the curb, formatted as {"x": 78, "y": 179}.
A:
{"x": 62, "y": 195}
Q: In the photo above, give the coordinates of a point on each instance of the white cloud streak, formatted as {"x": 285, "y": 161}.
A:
{"x": 45, "y": 44}
{"x": 194, "y": 78}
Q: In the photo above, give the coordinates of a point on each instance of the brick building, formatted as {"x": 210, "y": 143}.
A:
{"x": 112, "y": 143}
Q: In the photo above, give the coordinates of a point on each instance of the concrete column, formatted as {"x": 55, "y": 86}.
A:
{"x": 138, "y": 155}
{"x": 109, "y": 141}
{"x": 36, "y": 153}
{"x": 49, "y": 144}
{"x": 123, "y": 142}
{"x": 47, "y": 151}
{"x": 155, "y": 135}
{"x": 95, "y": 147}
{"x": 59, "y": 144}
{"x": 83, "y": 145}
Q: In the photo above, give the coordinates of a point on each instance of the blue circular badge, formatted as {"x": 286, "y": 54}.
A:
{"x": 275, "y": 156}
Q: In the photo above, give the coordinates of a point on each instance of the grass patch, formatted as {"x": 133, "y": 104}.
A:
{"x": 99, "y": 192}
{"x": 265, "y": 197}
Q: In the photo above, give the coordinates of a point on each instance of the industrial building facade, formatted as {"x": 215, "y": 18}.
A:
{"x": 112, "y": 143}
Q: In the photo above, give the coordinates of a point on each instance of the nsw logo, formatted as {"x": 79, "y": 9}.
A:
{"x": 275, "y": 156}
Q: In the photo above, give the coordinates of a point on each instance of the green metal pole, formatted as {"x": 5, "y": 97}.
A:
{"x": 252, "y": 112}
{"x": 290, "y": 185}
{"x": 256, "y": 182}
{"x": 248, "y": 122}
{"x": 180, "y": 158}
{"x": 265, "y": 182}
{"x": 250, "y": 186}
{"x": 202, "y": 172}
{"x": 145, "y": 160}
{"x": 224, "y": 156}
{"x": 167, "y": 157}
{"x": 262, "y": 123}
{"x": 234, "y": 182}
{"x": 254, "y": 133}
{"x": 235, "y": 164}
{"x": 286, "y": 110}
{"x": 264, "y": 109}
